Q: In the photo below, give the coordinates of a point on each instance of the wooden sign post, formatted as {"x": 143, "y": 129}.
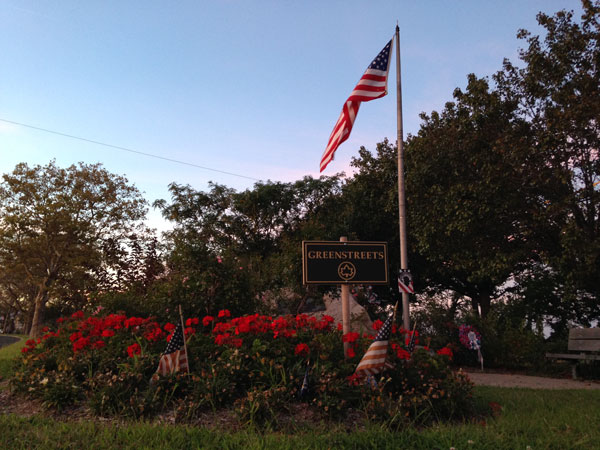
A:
{"x": 345, "y": 308}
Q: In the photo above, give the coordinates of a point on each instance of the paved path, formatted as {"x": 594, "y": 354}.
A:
{"x": 7, "y": 340}
{"x": 525, "y": 381}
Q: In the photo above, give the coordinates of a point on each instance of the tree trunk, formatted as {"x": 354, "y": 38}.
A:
{"x": 38, "y": 314}
{"x": 482, "y": 301}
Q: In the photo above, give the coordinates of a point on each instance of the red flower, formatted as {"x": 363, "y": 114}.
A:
{"x": 25, "y": 349}
{"x": 45, "y": 329}
{"x": 30, "y": 343}
{"x": 169, "y": 327}
{"x": 192, "y": 321}
{"x": 154, "y": 334}
{"x": 224, "y": 313}
{"x": 108, "y": 333}
{"x": 377, "y": 325}
{"x": 75, "y": 336}
{"x": 134, "y": 322}
{"x": 98, "y": 344}
{"x": 189, "y": 331}
{"x": 445, "y": 351}
{"x": 134, "y": 349}
{"x": 350, "y": 337}
{"x": 354, "y": 379}
{"x": 221, "y": 338}
{"x": 80, "y": 344}
{"x": 236, "y": 342}
{"x": 207, "y": 320}
{"x": 302, "y": 350}
{"x": 340, "y": 327}
{"x": 281, "y": 323}
{"x": 77, "y": 315}
{"x": 284, "y": 333}
{"x": 402, "y": 354}
{"x": 350, "y": 352}
{"x": 222, "y": 326}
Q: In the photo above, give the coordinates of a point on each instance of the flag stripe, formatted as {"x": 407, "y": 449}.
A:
{"x": 372, "y": 85}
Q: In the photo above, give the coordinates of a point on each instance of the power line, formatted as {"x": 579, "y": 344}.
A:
{"x": 58, "y": 133}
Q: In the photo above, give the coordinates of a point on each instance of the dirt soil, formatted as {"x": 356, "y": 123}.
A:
{"x": 526, "y": 381}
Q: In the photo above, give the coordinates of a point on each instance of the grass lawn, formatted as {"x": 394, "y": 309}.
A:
{"x": 8, "y": 353}
{"x": 528, "y": 419}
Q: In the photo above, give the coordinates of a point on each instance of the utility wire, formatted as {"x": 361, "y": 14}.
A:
{"x": 128, "y": 150}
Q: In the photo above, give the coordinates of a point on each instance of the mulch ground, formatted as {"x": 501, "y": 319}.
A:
{"x": 20, "y": 405}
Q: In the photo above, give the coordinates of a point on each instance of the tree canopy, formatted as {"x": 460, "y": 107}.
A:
{"x": 63, "y": 229}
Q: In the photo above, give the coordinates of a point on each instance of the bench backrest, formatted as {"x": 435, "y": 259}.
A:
{"x": 584, "y": 339}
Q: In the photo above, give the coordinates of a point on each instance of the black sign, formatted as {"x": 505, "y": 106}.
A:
{"x": 332, "y": 262}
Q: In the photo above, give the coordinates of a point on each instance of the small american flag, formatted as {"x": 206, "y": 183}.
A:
{"x": 174, "y": 358}
{"x": 375, "y": 357}
{"x": 411, "y": 342}
{"x": 372, "y": 85}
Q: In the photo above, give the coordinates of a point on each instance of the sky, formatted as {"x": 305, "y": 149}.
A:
{"x": 252, "y": 88}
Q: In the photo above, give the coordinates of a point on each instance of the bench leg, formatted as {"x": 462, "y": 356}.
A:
{"x": 574, "y": 371}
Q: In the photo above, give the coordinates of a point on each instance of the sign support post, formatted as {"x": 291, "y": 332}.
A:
{"x": 345, "y": 308}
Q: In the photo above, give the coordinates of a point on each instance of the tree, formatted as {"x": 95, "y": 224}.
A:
{"x": 258, "y": 230}
{"x": 56, "y": 223}
{"x": 471, "y": 193}
{"x": 558, "y": 92}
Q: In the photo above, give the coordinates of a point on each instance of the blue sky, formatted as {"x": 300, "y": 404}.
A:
{"x": 249, "y": 87}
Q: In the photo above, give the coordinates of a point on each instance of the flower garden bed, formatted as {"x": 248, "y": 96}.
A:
{"x": 252, "y": 366}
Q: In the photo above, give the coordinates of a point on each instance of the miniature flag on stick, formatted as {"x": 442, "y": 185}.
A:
{"x": 372, "y": 85}
{"x": 175, "y": 356}
{"x": 374, "y": 360}
{"x": 412, "y": 342}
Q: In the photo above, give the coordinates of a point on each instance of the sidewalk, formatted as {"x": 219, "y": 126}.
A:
{"x": 525, "y": 381}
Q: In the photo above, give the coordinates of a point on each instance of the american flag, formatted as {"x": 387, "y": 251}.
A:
{"x": 411, "y": 342}
{"x": 372, "y": 85}
{"x": 375, "y": 357}
{"x": 174, "y": 358}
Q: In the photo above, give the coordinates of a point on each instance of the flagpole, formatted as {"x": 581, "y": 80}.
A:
{"x": 401, "y": 195}
{"x": 187, "y": 355}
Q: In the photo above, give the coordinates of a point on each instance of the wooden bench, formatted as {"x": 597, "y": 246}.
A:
{"x": 582, "y": 340}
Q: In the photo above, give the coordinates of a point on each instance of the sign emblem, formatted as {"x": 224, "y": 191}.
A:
{"x": 346, "y": 271}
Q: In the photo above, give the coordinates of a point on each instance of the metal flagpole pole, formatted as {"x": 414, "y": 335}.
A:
{"x": 401, "y": 196}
